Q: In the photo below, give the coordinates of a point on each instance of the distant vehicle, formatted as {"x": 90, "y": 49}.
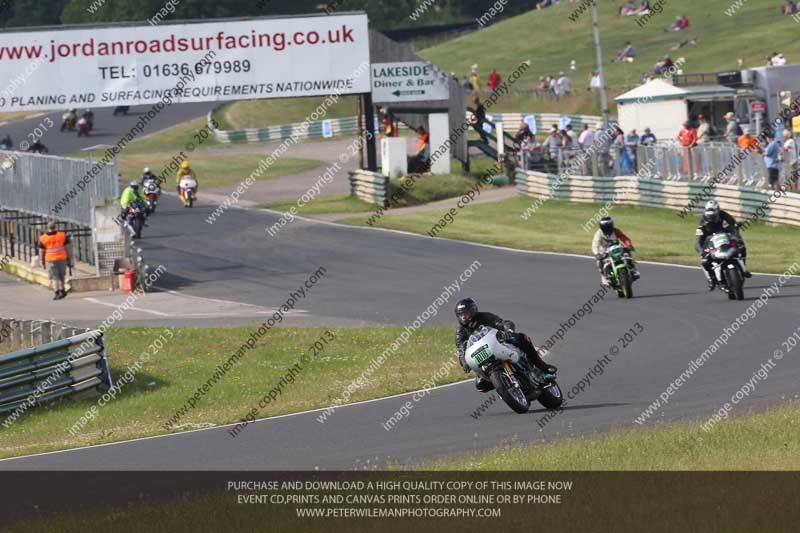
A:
{"x": 188, "y": 190}
{"x": 728, "y": 264}
{"x": 84, "y": 127}
{"x": 152, "y": 191}
{"x": 618, "y": 270}
{"x": 121, "y": 110}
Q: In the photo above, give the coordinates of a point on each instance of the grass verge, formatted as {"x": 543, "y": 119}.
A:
{"x": 337, "y": 203}
{"x": 757, "y": 441}
{"x": 658, "y": 234}
{"x": 273, "y": 112}
{"x": 189, "y": 359}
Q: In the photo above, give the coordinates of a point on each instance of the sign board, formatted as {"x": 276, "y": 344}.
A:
{"x": 410, "y": 81}
{"x": 209, "y": 61}
{"x": 758, "y": 107}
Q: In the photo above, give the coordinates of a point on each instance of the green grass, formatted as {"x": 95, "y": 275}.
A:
{"x": 276, "y": 111}
{"x": 658, "y": 234}
{"x": 190, "y": 358}
{"x": 551, "y": 40}
{"x": 337, "y": 203}
{"x": 214, "y": 171}
{"x": 756, "y": 441}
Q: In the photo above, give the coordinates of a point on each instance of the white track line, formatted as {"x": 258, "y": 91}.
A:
{"x": 267, "y": 419}
{"x": 115, "y": 306}
{"x": 484, "y": 245}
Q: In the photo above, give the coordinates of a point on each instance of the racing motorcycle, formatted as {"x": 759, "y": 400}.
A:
{"x": 135, "y": 218}
{"x": 188, "y": 190}
{"x": 84, "y": 126}
{"x": 727, "y": 263}
{"x": 618, "y": 270}
{"x": 505, "y": 366}
{"x": 151, "y": 187}
{"x": 68, "y": 121}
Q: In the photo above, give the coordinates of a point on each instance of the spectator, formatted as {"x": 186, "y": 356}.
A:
{"x": 644, "y": 9}
{"x": 703, "y": 130}
{"x": 772, "y": 161}
{"x": 551, "y": 83}
{"x": 421, "y": 160}
{"x": 480, "y": 117}
{"x": 566, "y": 139}
{"x": 564, "y": 84}
{"x": 553, "y": 144}
{"x": 625, "y": 163}
{"x": 494, "y": 80}
{"x": 474, "y": 79}
{"x": 602, "y": 144}
{"x": 790, "y": 158}
{"x": 732, "y": 131}
{"x": 789, "y": 8}
{"x": 594, "y": 83}
{"x": 55, "y": 254}
{"x": 648, "y": 138}
{"x": 466, "y": 84}
{"x": 681, "y": 23}
{"x": 626, "y": 9}
{"x": 749, "y": 143}
{"x": 572, "y": 137}
{"x": 777, "y": 60}
{"x": 542, "y": 86}
{"x": 631, "y": 142}
{"x": 586, "y": 138}
{"x": 532, "y": 152}
{"x": 628, "y": 53}
{"x": 524, "y": 133}
{"x": 688, "y": 135}
{"x": 692, "y": 41}
{"x": 663, "y": 66}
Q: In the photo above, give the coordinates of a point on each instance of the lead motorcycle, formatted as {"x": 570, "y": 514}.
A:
{"x": 503, "y": 364}
{"x": 135, "y": 218}
{"x": 727, "y": 263}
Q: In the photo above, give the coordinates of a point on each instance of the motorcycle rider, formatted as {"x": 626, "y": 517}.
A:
{"x": 185, "y": 170}
{"x": 147, "y": 174}
{"x": 715, "y": 220}
{"x": 130, "y": 196}
{"x": 470, "y": 319}
{"x": 606, "y": 235}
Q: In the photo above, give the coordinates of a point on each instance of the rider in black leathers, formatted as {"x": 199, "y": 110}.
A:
{"x": 470, "y": 319}
{"x": 715, "y": 220}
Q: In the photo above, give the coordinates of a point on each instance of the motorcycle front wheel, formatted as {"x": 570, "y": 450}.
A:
{"x": 735, "y": 284}
{"x": 551, "y": 397}
{"x": 510, "y": 392}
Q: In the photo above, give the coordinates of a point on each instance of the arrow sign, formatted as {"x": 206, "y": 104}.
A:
{"x": 399, "y": 92}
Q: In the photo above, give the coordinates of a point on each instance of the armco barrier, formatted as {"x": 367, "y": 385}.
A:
{"x": 741, "y": 202}
{"x": 369, "y": 186}
{"x": 349, "y": 126}
{"x": 54, "y": 370}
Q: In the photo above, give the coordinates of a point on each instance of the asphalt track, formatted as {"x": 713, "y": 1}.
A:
{"x": 108, "y": 129}
{"x": 388, "y": 277}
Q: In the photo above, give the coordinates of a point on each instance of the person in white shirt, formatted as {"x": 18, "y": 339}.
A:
{"x": 586, "y": 138}
{"x": 790, "y": 160}
{"x": 564, "y": 84}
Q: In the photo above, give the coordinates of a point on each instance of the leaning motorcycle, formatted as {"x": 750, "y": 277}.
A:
{"x": 188, "y": 190}
{"x": 68, "y": 122}
{"x": 618, "y": 270}
{"x": 504, "y": 365}
{"x": 728, "y": 264}
{"x": 151, "y": 188}
{"x": 135, "y": 218}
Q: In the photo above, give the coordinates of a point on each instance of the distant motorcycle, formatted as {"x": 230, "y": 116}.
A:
{"x": 135, "y": 218}
{"x": 121, "y": 110}
{"x": 68, "y": 122}
{"x": 188, "y": 190}
{"x": 84, "y": 127}
{"x": 618, "y": 270}
{"x": 501, "y": 364}
{"x": 728, "y": 264}
{"x": 151, "y": 187}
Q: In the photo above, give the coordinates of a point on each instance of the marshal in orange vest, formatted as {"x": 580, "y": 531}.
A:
{"x": 55, "y": 246}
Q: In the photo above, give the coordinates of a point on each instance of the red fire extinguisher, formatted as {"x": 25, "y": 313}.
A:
{"x": 129, "y": 281}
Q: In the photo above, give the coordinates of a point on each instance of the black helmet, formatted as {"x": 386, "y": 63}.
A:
{"x": 466, "y": 309}
{"x": 607, "y": 226}
{"x": 711, "y": 212}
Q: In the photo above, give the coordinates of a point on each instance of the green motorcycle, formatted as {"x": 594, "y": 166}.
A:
{"x": 618, "y": 270}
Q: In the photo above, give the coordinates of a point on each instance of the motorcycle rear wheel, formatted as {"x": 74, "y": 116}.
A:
{"x": 515, "y": 399}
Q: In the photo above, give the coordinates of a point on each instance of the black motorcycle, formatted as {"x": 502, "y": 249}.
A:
{"x": 727, "y": 263}
{"x": 135, "y": 218}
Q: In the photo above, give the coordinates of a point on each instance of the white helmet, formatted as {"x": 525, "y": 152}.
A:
{"x": 712, "y": 205}
{"x": 146, "y": 170}
{"x": 711, "y": 212}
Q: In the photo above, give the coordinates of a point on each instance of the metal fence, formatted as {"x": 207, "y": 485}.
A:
{"x": 20, "y": 232}
{"x": 49, "y": 186}
{"x": 54, "y": 370}
{"x": 663, "y": 161}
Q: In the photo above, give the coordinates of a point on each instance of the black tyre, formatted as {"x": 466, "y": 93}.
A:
{"x": 735, "y": 284}
{"x": 551, "y": 397}
{"x": 189, "y": 198}
{"x": 137, "y": 227}
{"x": 513, "y": 396}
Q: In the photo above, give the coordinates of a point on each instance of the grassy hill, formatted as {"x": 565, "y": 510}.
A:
{"x": 550, "y": 39}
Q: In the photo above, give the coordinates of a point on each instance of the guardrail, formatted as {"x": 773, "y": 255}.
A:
{"x": 349, "y": 126}
{"x": 740, "y": 201}
{"x": 369, "y": 186}
{"x": 51, "y": 371}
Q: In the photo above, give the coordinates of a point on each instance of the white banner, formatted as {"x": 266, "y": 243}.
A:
{"x": 409, "y": 81}
{"x": 213, "y": 61}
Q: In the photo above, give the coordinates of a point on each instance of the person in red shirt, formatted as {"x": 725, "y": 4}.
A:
{"x": 687, "y": 135}
{"x": 494, "y": 80}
